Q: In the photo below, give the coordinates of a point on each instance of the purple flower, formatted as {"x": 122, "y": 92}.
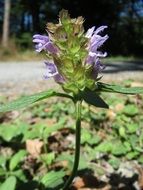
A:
{"x": 98, "y": 67}
{"x": 95, "y": 42}
{"x": 44, "y": 43}
{"x": 52, "y": 71}
{"x": 90, "y": 31}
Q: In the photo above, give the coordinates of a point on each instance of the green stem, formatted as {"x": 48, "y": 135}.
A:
{"x": 77, "y": 145}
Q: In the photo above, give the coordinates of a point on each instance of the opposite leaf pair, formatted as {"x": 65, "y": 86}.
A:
{"x": 91, "y": 97}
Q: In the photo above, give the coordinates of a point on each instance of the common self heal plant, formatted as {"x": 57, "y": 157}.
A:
{"x": 74, "y": 61}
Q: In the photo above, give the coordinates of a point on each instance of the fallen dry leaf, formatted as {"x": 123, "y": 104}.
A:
{"x": 34, "y": 147}
{"x": 140, "y": 178}
{"x": 111, "y": 114}
{"x": 107, "y": 187}
{"x": 119, "y": 107}
{"x": 78, "y": 183}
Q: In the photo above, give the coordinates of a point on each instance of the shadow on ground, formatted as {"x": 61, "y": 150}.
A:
{"x": 115, "y": 181}
{"x": 123, "y": 66}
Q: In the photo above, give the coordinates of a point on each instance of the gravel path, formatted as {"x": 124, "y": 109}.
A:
{"x": 26, "y": 77}
{"x": 23, "y": 78}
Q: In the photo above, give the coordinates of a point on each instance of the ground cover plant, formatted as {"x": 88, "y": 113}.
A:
{"x": 37, "y": 145}
{"x": 73, "y": 60}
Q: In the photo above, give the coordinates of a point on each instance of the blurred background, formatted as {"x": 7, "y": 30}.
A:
{"x": 20, "y": 19}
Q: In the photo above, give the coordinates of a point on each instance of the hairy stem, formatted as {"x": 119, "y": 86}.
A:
{"x": 77, "y": 145}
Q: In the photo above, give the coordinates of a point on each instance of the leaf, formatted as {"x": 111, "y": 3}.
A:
{"x": 118, "y": 149}
{"x": 8, "y": 132}
{"x": 9, "y": 184}
{"x": 66, "y": 160}
{"x": 53, "y": 179}
{"x": 48, "y": 130}
{"x": 16, "y": 159}
{"x": 20, "y": 174}
{"x": 94, "y": 140}
{"x": 3, "y": 172}
{"x": 47, "y": 158}
{"x": 114, "y": 162}
{"x": 139, "y": 149}
{"x": 100, "y": 171}
{"x": 119, "y": 89}
{"x": 132, "y": 155}
{"x": 127, "y": 145}
{"x": 132, "y": 127}
{"x": 133, "y": 140}
{"x": 27, "y": 100}
{"x": 3, "y": 160}
{"x": 140, "y": 159}
{"x": 86, "y": 136}
{"x": 33, "y": 131}
{"x": 92, "y": 98}
{"x": 105, "y": 147}
{"x": 130, "y": 110}
{"x": 122, "y": 132}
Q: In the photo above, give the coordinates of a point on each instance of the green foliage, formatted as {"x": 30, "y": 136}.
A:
{"x": 16, "y": 159}
{"x": 8, "y": 132}
{"x": 118, "y": 89}
{"x": 48, "y": 158}
{"x": 24, "y": 40}
{"x": 131, "y": 110}
{"x": 114, "y": 136}
{"x": 93, "y": 99}
{"x": 9, "y": 183}
{"x": 115, "y": 162}
{"x": 53, "y": 179}
{"x": 28, "y": 100}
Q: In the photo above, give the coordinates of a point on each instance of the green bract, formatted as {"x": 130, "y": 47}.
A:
{"x": 68, "y": 35}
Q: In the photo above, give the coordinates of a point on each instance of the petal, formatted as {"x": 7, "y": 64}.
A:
{"x": 44, "y": 43}
{"x": 97, "y": 43}
{"x": 38, "y": 47}
{"x": 43, "y": 46}
{"x": 100, "y": 54}
{"x": 50, "y": 47}
{"x": 92, "y": 56}
{"x": 90, "y": 59}
{"x": 98, "y": 67}
{"x": 94, "y": 38}
{"x": 38, "y": 41}
{"x": 51, "y": 66}
{"x": 100, "y": 29}
{"x": 41, "y": 37}
{"x": 89, "y": 32}
{"x": 51, "y": 70}
{"x": 59, "y": 79}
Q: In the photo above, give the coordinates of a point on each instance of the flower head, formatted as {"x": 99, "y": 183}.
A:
{"x": 73, "y": 55}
